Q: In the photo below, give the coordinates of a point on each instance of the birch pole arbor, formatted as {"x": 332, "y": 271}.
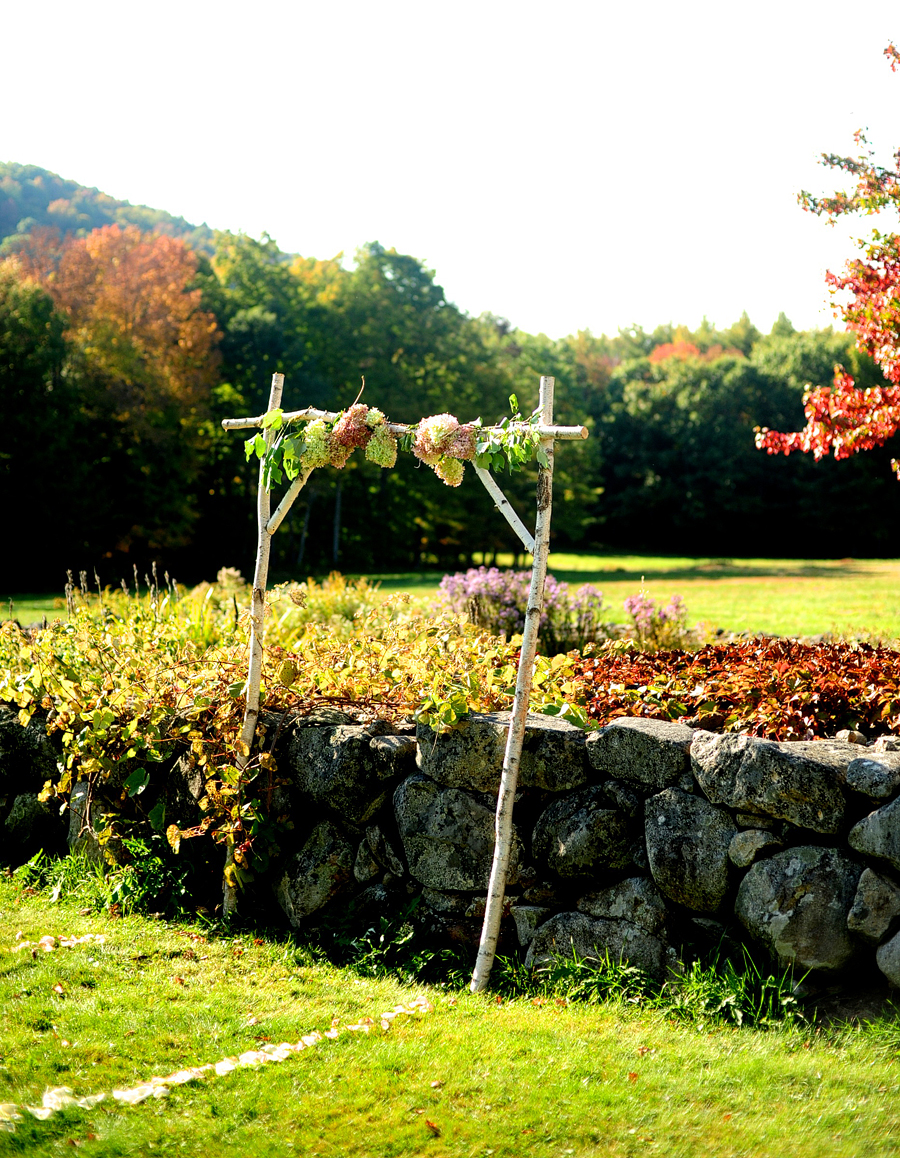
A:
{"x": 444, "y": 444}
{"x": 509, "y": 776}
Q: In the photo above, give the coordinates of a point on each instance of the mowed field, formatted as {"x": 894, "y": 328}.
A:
{"x": 844, "y": 597}
{"x": 479, "y": 1075}
{"x": 848, "y": 597}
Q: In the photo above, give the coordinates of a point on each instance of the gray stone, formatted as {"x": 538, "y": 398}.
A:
{"x": 876, "y": 907}
{"x": 851, "y": 736}
{"x": 875, "y": 776}
{"x": 687, "y": 847}
{"x": 394, "y": 756}
{"x": 365, "y": 867}
{"x": 581, "y": 834}
{"x": 797, "y": 903}
{"x": 383, "y": 850}
{"x": 186, "y": 778}
{"x": 448, "y": 836}
{"x": 714, "y": 931}
{"x": 185, "y": 785}
{"x": 442, "y": 902}
{"x": 79, "y": 812}
{"x": 336, "y": 767}
{"x": 31, "y": 826}
{"x": 376, "y": 901}
{"x": 649, "y": 753}
{"x": 471, "y": 755}
{"x": 527, "y": 919}
{"x": 798, "y": 781}
{"x": 636, "y": 900}
{"x": 752, "y": 820}
{"x": 315, "y": 875}
{"x": 747, "y": 846}
{"x": 887, "y": 958}
{"x": 546, "y": 894}
{"x": 622, "y": 797}
{"x": 27, "y": 759}
{"x": 85, "y": 820}
{"x": 639, "y": 858}
{"x": 322, "y": 717}
{"x": 887, "y": 744}
{"x": 878, "y": 834}
{"x": 575, "y": 934}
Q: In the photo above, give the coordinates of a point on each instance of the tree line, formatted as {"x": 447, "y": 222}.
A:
{"x": 121, "y": 351}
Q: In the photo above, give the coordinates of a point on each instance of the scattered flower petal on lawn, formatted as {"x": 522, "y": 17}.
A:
{"x": 60, "y": 1097}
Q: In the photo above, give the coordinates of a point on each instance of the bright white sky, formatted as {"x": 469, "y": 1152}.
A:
{"x": 566, "y": 165}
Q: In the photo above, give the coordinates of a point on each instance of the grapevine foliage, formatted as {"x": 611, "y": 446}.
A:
{"x": 128, "y": 688}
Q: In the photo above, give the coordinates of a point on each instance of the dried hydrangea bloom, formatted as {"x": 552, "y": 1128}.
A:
{"x": 382, "y": 448}
{"x": 316, "y": 445}
{"x": 433, "y": 436}
{"x": 340, "y": 452}
{"x": 462, "y": 444}
{"x": 351, "y": 430}
{"x": 374, "y": 417}
{"x": 450, "y": 471}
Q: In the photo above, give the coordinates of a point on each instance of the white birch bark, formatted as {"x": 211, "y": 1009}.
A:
{"x": 503, "y": 505}
{"x": 257, "y": 630}
{"x": 487, "y": 947}
{"x": 287, "y": 502}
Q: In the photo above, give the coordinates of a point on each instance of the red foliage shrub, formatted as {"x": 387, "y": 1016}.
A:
{"x": 775, "y": 688}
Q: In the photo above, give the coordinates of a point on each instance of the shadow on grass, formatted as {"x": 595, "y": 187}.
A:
{"x": 713, "y": 569}
{"x": 703, "y": 569}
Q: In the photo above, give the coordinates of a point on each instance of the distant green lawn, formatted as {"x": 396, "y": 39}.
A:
{"x": 852, "y": 597}
{"x": 782, "y": 596}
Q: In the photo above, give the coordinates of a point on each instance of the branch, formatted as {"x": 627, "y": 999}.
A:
{"x": 503, "y": 505}
{"x": 563, "y": 433}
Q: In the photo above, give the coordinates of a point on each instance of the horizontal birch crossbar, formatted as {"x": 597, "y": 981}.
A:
{"x": 564, "y": 433}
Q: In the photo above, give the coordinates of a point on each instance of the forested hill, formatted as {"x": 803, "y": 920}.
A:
{"x": 30, "y": 196}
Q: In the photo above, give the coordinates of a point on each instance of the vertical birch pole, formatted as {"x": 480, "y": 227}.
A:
{"x": 487, "y": 947}
{"x": 257, "y": 629}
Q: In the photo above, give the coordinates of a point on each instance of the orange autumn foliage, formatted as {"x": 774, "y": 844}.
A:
{"x": 133, "y": 315}
{"x": 678, "y": 349}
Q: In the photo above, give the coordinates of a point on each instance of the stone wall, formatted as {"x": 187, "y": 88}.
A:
{"x": 628, "y": 840}
{"x": 634, "y": 839}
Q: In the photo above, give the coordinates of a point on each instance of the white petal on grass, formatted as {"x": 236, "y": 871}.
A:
{"x": 59, "y": 1097}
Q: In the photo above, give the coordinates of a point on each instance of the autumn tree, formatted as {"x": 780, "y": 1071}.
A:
{"x": 142, "y": 357}
{"x": 846, "y": 417}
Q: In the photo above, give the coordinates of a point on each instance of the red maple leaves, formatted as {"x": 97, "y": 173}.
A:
{"x": 843, "y": 418}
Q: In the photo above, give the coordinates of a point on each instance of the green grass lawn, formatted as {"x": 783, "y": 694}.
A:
{"x": 475, "y": 1077}
{"x": 852, "y": 597}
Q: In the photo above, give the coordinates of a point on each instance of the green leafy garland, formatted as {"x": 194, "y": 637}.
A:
{"x": 441, "y": 442}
